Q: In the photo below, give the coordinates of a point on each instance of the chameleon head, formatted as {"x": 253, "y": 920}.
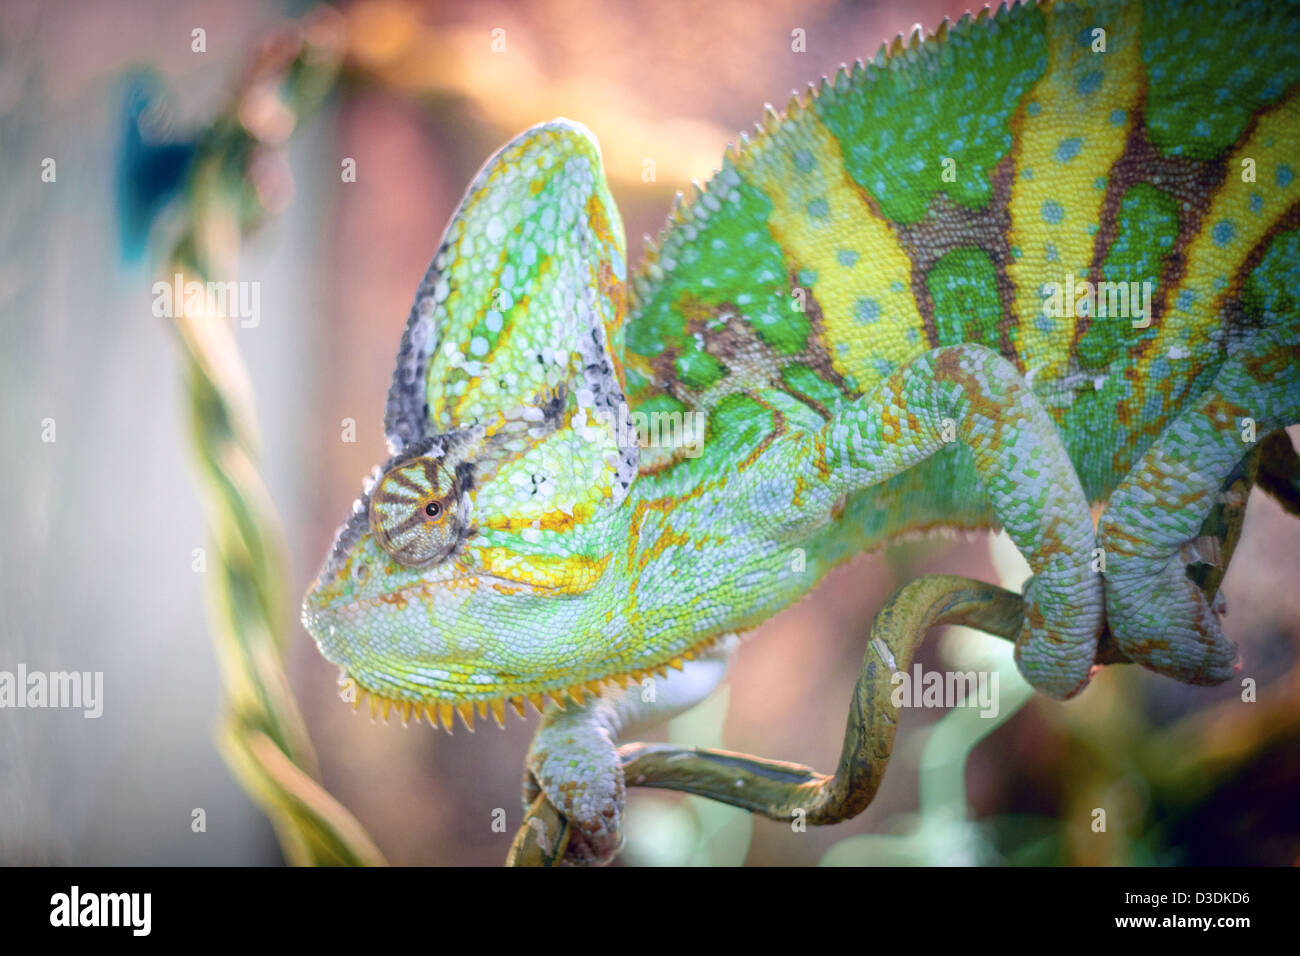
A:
{"x": 441, "y": 593}
{"x": 470, "y": 570}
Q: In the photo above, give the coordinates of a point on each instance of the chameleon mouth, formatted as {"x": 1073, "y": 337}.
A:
{"x": 443, "y": 713}
{"x": 401, "y": 596}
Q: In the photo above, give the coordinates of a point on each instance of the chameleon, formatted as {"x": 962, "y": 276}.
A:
{"x": 1034, "y": 271}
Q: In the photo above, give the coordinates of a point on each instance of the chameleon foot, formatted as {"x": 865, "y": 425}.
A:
{"x": 1155, "y": 608}
{"x": 574, "y": 760}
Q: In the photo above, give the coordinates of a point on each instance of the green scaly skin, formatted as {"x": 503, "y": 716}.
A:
{"x": 857, "y": 314}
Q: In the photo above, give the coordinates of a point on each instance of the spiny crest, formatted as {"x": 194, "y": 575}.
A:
{"x": 441, "y": 713}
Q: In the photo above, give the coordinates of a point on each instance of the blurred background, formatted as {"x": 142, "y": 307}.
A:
{"x": 101, "y": 558}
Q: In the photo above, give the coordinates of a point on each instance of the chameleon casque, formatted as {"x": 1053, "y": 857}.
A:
{"x": 857, "y": 312}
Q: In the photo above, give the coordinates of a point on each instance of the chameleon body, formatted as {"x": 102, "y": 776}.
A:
{"x": 899, "y": 306}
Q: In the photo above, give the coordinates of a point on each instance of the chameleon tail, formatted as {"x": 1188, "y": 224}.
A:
{"x": 779, "y": 790}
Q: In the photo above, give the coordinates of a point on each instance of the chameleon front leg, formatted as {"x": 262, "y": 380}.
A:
{"x": 574, "y": 759}
{"x": 970, "y": 394}
{"x": 1149, "y": 533}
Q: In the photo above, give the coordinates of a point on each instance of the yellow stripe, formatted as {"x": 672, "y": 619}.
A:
{"x": 1231, "y": 229}
{"x": 1072, "y": 129}
{"x": 818, "y": 217}
{"x": 568, "y": 574}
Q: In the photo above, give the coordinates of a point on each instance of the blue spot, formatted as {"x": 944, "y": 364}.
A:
{"x": 1052, "y": 212}
{"x": 1044, "y": 323}
{"x": 150, "y": 172}
{"x": 1033, "y": 108}
{"x": 1099, "y": 182}
{"x": 1050, "y": 253}
{"x": 803, "y": 161}
{"x": 1184, "y": 301}
{"x": 1256, "y": 202}
{"x": 1027, "y": 173}
{"x": 1069, "y": 148}
{"x": 1118, "y": 117}
{"x": 1089, "y": 82}
{"x": 1201, "y": 130}
{"x": 807, "y": 277}
{"x": 884, "y": 367}
{"x": 1223, "y": 232}
{"x": 1085, "y": 36}
{"x": 847, "y": 257}
{"x": 866, "y": 311}
{"x": 1284, "y": 175}
{"x": 896, "y": 286}
{"x": 819, "y": 209}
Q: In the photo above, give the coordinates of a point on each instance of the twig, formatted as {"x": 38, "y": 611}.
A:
{"x": 261, "y": 733}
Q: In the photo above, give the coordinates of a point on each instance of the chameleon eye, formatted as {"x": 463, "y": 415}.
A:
{"x": 409, "y": 512}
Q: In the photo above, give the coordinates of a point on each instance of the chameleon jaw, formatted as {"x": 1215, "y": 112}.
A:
{"x": 451, "y": 667}
{"x": 443, "y": 713}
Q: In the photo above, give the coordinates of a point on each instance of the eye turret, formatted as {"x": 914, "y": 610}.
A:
{"x": 413, "y": 512}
